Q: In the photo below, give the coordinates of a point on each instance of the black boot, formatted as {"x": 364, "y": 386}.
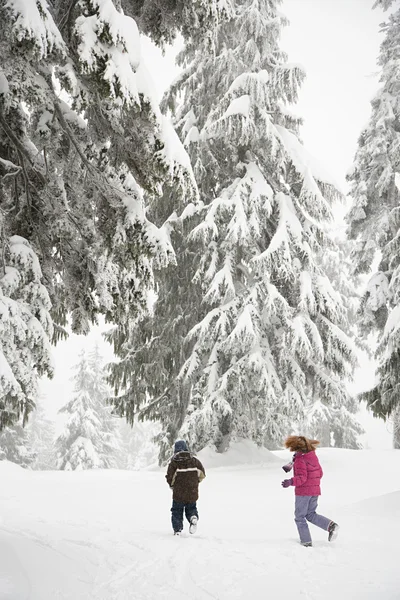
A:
{"x": 333, "y": 531}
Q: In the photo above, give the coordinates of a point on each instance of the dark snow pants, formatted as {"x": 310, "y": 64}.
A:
{"x": 177, "y": 513}
{"x": 305, "y": 508}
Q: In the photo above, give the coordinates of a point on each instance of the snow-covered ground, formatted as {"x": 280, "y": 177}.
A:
{"x": 106, "y": 535}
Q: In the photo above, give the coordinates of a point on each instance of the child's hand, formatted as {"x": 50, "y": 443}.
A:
{"x": 287, "y": 482}
{"x": 287, "y": 467}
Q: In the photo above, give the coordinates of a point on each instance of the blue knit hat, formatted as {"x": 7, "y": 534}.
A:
{"x": 180, "y": 446}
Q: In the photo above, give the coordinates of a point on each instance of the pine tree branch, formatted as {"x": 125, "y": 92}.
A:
{"x": 164, "y": 396}
{"x": 26, "y": 184}
{"x": 68, "y": 131}
{"x": 63, "y": 22}
{"x": 11, "y": 167}
{"x": 20, "y": 148}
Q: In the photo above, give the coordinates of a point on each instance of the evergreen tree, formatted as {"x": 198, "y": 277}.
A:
{"x": 247, "y": 329}
{"x": 339, "y": 427}
{"x": 89, "y": 437}
{"x": 25, "y": 328}
{"x": 375, "y": 219}
{"x": 101, "y": 391}
{"x": 137, "y": 447}
{"x": 41, "y": 435}
{"x": 336, "y": 261}
{"x": 86, "y": 177}
{"x": 82, "y": 143}
{"x": 15, "y": 446}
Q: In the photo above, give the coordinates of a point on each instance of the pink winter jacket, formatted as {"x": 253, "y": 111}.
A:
{"x": 307, "y": 474}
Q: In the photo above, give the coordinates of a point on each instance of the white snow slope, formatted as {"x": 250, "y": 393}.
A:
{"x": 106, "y": 535}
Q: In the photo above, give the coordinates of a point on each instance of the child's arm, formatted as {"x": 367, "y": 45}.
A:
{"x": 170, "y": 476}
{"x": 200, "y": 470}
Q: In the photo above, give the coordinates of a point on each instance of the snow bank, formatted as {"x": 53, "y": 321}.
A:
{"x": 106, "y": 535}
{"x": 10, "y": 470}
{"x": 384, "y": 506}
{"x": 243, "y": 452}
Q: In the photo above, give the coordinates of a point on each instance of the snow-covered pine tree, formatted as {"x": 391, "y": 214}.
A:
{"x": 82, "y": 140}
{"x": 375, "y": 218}
{"x": 25, "y": 329}
{"x": 86, "y": 176}
{"x": 41, "y": 435}
{"x": 15, "y": 446}
{"x": 138, "y": 449}
{"x": 336, "y": 262}
{"x": 88, "y": 440}
{"x": 101, "y": 391}
{"x": 321, "y": 423}
{"x": 249, "y": 331}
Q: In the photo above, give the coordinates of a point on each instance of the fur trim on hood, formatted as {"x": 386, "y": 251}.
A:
{"x": 299, "y": 443}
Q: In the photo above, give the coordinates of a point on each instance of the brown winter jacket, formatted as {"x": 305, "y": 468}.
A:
{"x": 184, "y": 473}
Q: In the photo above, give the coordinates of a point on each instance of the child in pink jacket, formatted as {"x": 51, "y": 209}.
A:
{"x": 307, "y": 473}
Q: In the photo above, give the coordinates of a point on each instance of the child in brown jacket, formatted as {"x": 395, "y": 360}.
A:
{"x": 184, "y": 473}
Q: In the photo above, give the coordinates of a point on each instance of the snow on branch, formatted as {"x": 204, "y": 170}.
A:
{"x": 8, "y": 168}
{"x": 33, "y": 22}
{"x": 239, "y": 106}
{"x": 174, "y": 152}
{"x": 109, "y": 44}
{"x": 302, "y": 159}
{"x": 392, "y": 326}
{"x": 289, "y": 228}
{"x": 245, "y": 329}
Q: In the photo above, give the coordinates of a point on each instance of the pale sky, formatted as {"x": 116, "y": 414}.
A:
{"x": 337, "y": 42}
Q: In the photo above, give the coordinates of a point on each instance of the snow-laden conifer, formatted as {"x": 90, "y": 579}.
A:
{"x": 247, "y": 331}
{"x": 336, "y": 423}
{"x": 375, "y": 218}
{"x": 88, "y": 440}
{"x": 82, "y": 143}
{"x": 41, "y": 435}
{"x": 16, "y": 446}
{"x": 138, "y": 449}
{"x": 25, "y": 329}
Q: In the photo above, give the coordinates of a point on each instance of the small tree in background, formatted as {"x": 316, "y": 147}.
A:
{"x": 138, "y": 449}
{"x": 41, "y": 434}
{"x": 89, "y": 437}
{"x": 16, "y": 447}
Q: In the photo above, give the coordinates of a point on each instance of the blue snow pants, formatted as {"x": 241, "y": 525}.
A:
{"x": 177, "y": 513}
{"x": 305, "y": 508}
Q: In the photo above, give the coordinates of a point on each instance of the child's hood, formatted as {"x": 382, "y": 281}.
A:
{"x": 181, "y": 457}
